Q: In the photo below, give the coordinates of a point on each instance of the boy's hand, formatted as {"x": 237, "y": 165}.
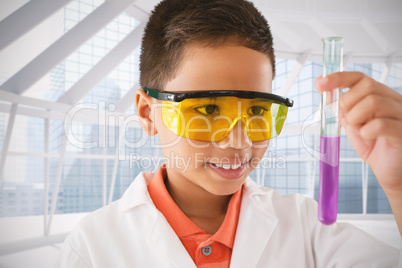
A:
{"x": 371, "y": 114}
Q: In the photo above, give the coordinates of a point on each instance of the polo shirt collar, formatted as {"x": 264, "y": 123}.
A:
{"x": 181, "y": 224}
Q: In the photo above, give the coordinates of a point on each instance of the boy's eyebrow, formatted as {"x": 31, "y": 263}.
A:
{"x": 178, "y": 97}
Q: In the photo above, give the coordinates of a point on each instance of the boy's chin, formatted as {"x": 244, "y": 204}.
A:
{"x": 225, "y": 189}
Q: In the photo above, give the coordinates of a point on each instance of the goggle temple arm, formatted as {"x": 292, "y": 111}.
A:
{"x": 178, "y": 97}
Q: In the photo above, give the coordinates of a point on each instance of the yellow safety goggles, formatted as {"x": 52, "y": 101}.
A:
{"x": 211, "y": 115}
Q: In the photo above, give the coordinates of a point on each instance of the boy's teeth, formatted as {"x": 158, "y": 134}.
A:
{"x": 236, "y": 166}
{"x": 228, "y": 166}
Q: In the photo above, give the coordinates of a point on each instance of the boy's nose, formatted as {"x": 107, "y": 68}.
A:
{"x": 237, "y": 138}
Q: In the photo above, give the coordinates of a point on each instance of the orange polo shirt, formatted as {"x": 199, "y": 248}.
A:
{"x": 206, "y": 250}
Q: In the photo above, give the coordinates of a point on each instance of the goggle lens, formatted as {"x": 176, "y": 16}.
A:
{"x": 212, "y": 119}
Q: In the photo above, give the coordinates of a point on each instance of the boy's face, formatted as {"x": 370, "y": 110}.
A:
{"x": 204, "y": 165}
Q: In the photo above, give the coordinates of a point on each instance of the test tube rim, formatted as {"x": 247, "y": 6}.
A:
{"x": 332, "y": 38}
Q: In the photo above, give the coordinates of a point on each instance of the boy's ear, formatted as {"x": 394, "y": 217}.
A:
{"x": 144, "y": 110}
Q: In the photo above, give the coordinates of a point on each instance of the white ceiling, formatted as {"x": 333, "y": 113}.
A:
{"x": 372, "y": 28}
{"x": 372, "y": 31}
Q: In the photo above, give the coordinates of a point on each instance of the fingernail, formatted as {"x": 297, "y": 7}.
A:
{"x": 323, "y": 81}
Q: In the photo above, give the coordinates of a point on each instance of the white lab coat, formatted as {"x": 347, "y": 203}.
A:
{"x": 273, "y": 231}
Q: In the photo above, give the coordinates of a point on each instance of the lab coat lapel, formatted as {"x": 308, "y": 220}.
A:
{"x": 254, "y": 229}
{"x": 164, "y": 239}
{"x": 160, "y": 236}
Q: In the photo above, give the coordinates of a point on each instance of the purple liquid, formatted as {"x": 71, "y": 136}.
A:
{"x": 329, "y": 178}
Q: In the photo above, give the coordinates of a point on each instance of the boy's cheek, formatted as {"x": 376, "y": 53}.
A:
{"x": 260, "y": 145}
{"x": 254, "y": 162}
{"x": 180, "y": 156}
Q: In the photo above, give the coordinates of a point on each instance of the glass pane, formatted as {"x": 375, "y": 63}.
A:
{"x": 377, "y": 201}
{"x": 22, "y": 188}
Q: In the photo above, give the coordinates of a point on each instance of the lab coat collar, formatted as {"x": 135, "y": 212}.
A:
{"x": 256, "y": 225}
{"x": 136, "y": 194}
{"x": 160, "y": 236}
{"x": 166, "y": 242}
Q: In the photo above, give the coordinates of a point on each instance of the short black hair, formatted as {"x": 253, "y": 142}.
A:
{"x": 173, "y": 24}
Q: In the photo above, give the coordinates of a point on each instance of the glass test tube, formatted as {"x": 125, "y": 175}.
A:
{"x": 330, "y": 134}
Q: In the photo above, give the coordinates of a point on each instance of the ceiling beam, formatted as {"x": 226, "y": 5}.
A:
{"x": 284, "y": 33}
{"x": 346, "y": 59}
{"x": 103, "y": 67}
{"x": 294, "y": 73}
{"x": 28, "y": 101}
{"x": 137, "y": 13}
{"x": 26, "y": 18}
{"x": 32, "y": 112}
{"x": 387, "y": 68}
{"x": 7, "y": 138}
{"x": 59, "y": 175}
{"x": 320, "y": 28}
{"x": 83, "y": 115}
{"x": 377, "y": 37}
{"x": 68, "y": 43}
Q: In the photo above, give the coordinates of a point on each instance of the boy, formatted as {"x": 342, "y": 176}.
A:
{"x": 206, "y": 72}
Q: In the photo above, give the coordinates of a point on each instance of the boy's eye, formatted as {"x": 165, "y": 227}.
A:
{"x": 256, "y": 110}
{"x": 209, "y": 109}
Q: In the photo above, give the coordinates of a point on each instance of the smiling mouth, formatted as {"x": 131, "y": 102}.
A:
{"x": 228, "y": 167}
{"x": 229, "y": 171}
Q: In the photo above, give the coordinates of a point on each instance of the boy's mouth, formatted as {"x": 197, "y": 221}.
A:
{"x": 229, "y": 171}
{"x": 227, "y": 167}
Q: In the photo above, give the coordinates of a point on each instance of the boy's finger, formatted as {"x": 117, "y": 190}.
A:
{"x": 362, "y": 91}
{"x": 360, "y": 86}
{"x": 389, "y": 128}
{"x": 338, "y": 80}
{"x": 374, "y": 106}
{"x": 358, "y": 83}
